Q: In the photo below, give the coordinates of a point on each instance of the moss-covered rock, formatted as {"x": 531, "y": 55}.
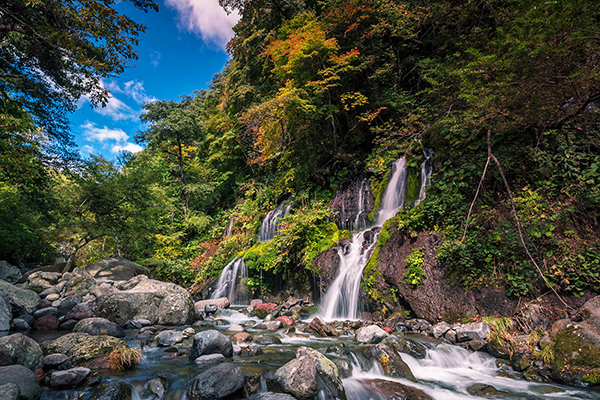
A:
{"x": 577, "y": 345}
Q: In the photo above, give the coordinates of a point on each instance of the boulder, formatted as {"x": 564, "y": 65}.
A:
{"x": 270, "y": 325}
{"x": 159, "y": 302}
{"x": 404, "y": 345}
{"x": 263, "y": 309}
{"x": 474, "y": 330}
{"x": 24, "y": 378}
{"x": 116, "y": 269}
{"x": 46, "y": 323}
{"x": 69, "y": 378}
{"x": 113, "y": 390}
{"x": 318, "y": 327}
{"x": 221, "y": 302}
{"x": 9, "y": 272}
{"x": 21, "y": 301}
{"x": 22, "y": 350}
{"x": 99, "y": 326}
{"x": 210, "y": 342}
{"x": 6, "y": 314}
{"x": 56, "y": 361}
{"x": 591, "y": 313}
{"x": 532, "y": 318}
{"x": 268, "y": 340}
{"x": 241, "y": 337}
{"x": 79, "y": 312}
{"x": 156, "y": 388}
{"x": 285, "y": 320}
{"x": 169, "y": 338}
{"x": 20, "y": 325}
{"x": 85, "y": 350}
{"x": 577, "y": 345}
{"x": 9, "y": 391}
{"x": 440, "y": 329}
{"x": 67, "y": 304}
{"x": 391, "y": 363}
{"x": 308, "y": 374}
{"x": 253, "y": 304}
{"x": 370, "y": 334}
{"x": 219, "y": 382}
{"x": 393, "y": 390}
{"x": 210, "y": 359}
{"x": 42, "y": 312}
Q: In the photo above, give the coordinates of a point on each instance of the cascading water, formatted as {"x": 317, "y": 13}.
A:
{"x": 426, "y": 171}
{"x": 352, "y": 206}
{"x": 342, "y": 298}
{"x": 272, "y": 221}
{"x": 230, "y": 278}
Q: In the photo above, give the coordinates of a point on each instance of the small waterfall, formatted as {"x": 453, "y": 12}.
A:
{"x": 272, "y": 221}
{"x": 228, "y": 283}
{"x": 342, "y": 300}
{"x": 426, "y": 171}
{"x": 352, "y": 205}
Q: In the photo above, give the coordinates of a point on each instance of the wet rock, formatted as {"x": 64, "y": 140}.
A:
{"x": 370, "y": 334}
{"x": 169, "y": 338}
{"x": 251, "y": 384}
{"x": 475, "y": 330}
{"x": 241, "y": 337}
{"x": 318, "y": 327}
{"x": 520, "y": 362}
{"x": 576, "y": 376}
{"x": 247, "y": 350}
{"x": 69, "y": 379}
{"x": 27, "y": 318}
{"x": 394, "y": 390}
{"x": 537, "y": 375}
{"x": 267, "y": 340}
{"x": 483, "y": 390}
{"x": 263, "y": 309}
{"x": 220, "y": 303}
{"x": 20, "y": 325}
{"x": 79, "y": 312}
{"x": 285, "y": 320}
{"x": 210, "y": 359}
{"x": 577, "y": 345}
{"x": 159, "y": 302}
{"x": 218, "y": 382}
{"x": 21, "y": 301}
{"x": 156, "y": 388}
{"x": 67, "y": 304}
{"x": 45, "y": 311}
{"x": 116, "y": 269}
{"x": 56, "y": 361}
{"x": 8, "y": 272}
{"x": 99, "y": 326}
{"x": 210, "y": 342}
{"x": 307, "y": 374}
{"x": 68, "y": 325}
{"x": 235, "y": 329}
{"x": 270, "y": 326}
{"x": 499, "y": 349}
{"x": 22, "y": 350}
{"x": 9, "y": 391}
{"x": 440, "y": 329}
{"x": 46, "y": 323}
{"x": 24, "y": 378}
{"x": 271, "y": 396}
{"x": 113, "y": 390}
{"x": 391, "y": 363}
{"x": 591, "y": 313}
{"x": 210, "y": 309}
{"x": 404, "y": 345}
{"x": 477, "y": 344}
{"x": 6, "y": 314}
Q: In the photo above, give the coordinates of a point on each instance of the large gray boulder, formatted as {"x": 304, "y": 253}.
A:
{"x": 159, "y": 302}
{"x": 9, "y": 272}
{"x": 307, "y": 374}
{"x": 116, "y": 269}
{"x": 99, "y": 326}
{"x": 22, "y": 350}
{"x": 473, "y": 330}
{"x": 9, "y": 391}
{"x": 70, "y": 378}
{"x": 221, "y": 302}
{"x": 24, "y": 378}
{"x": 216, "y": 383}
{"x": 210, "y": 342}
{"x": 370, "y": 334}
{"x": 5, "y": 314}
{"x": 22, "y": 301}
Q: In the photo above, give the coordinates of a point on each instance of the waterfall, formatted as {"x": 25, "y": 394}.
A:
{"x": 352, "y": 211}
{"x": 426, "y": 171}
{"x": 228, "y": 282}
{"x": 342, "y": 298}
{"x": 272, "y": 221}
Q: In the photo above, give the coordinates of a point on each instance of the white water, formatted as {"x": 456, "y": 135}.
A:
{"x": 230, "y": 277}
{"x": 342, "y": 298}
{"x": 272, "y": 221}
{"x": 426, "y": 171}
{"x": 360, "y": 221}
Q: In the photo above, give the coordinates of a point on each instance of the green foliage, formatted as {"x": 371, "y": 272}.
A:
{"x": 414, "y": 267}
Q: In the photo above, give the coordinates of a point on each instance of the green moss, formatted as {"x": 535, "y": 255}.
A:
{"x": 414, "y": 263}
{"x": 592, "y": 377}
{"x": 413, "y": 185}
{"x": 380, "y": 189}
{"x": 573, "y": 347}
{"x": 345, "y": 234}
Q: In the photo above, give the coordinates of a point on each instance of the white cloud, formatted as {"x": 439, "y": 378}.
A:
{"x": 132, "y": 89}
{"x": 207, "y": 18}
{"x": 96, "y": 134}
{"x": 117, "y": 110}
{"x": 154, "y": 58}
{"x": 86, "y": 150}
{"x": 128, "y": 147}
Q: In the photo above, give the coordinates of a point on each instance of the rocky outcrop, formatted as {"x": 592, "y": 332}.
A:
{"x": 307, "y": 374}
{"x": 327, "y": 264}
{"x": 218, "y": 382}
{"x": 116, "y": 269}
{"x": 22, "y": 350}
{"x": 159, "y": 302}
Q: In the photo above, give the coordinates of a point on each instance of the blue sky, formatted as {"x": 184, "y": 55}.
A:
{"x": 181, "y": 50}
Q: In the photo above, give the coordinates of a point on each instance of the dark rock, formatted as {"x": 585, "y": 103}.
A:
{"x": 483, "y": 390}
{"x": 24, "y": 378}
{"x": 45, "y": 311}
{"x": 210, "y": 309}
{"x": 326, "y": 265}
{"x": 9, "y": 391}
{"x": 577, "y": 345}
{"x": 169, "y": 338}
{"x": 591, "y": 313}
{"x": 69, "y": 379}
{"x": 22, "y": 350}
{"x": 67, "y": 304}
{"x": 79, "y": 312}
{"x": 46, "y": 323}
{"x": 6, "y": 314}
{"x": 113, "y": 390}
{"x": 370, "y": 334}
{"x": 267, "y": 340}
{"x": 405, "y": 345}
{"x": 498, "y": 349}
{"x": 56, "y": 361}
{"x": 210, "y": 342}
{"x": 21, "y": 301}
{"x": 68, "y": 326}
{"x": 520, "y": 362}
{"x": 99, "y": 326}
{"x": 391, "y": 363}
{"x": 318, "y": 327}
{"x": 116, "y": 269}
{"x": 307, "y": 374}
{"x": 218, "y": 382}
{"x": 156, "y": 387}
{"x": 19, "y": 325}
{"x": 271, "y": 396}
{"x": 210, "y": 359}
{"x": 477, "y": 344}
{"x": 8, "y": 272}
{"x": 393, "y": 390}
{"x": 250, "y": 350}
{"x": 27, "y": 318}
{"x": 251, "y": 384}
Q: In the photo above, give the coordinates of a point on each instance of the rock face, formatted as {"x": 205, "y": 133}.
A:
{"x": 84, "y": 349}
{"x": 21, "y": 301}
{"x": 353, "y": 202}
{"x": 218, "y": 382}
{"x": 24, "y": 378}
{"x": 99, "y": 326}
{"x": 116, "y": 269}
{"x": 159, "y": 302}
{"x": 327, "y": 264}
{"x": 370, "y": 334}
{"x": 307, "y": 374}
{"x": 210, "y": 342}
{"x": 22, "y": 350}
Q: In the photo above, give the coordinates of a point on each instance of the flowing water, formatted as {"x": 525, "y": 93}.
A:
{"x": 272, "y": 221}
{"x": 426, "y": 171}
{"x": 228, "y": 283}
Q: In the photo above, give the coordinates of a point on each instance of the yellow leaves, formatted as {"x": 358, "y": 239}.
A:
{"x": 353, "y": 100}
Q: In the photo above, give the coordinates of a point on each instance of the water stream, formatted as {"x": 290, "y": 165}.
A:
{"x": 272, "y": 221}
{"x": 229, "y": 280}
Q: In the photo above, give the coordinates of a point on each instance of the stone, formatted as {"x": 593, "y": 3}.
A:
{"x": 6, "y": 314}
{"x": 307, "y": 374}
{"x": 99, "y": 326}
{"x": 20, "y": 349}
{"x": 56, "y": 361}
{"x": 42, "y": 312}
{"x": 69, "y": 378}
{"x": 169, "y": 338}
{"x": 53, "y": 296}
{"x": 392, "y": 390}
{"x": 318, "y": 327}
{"x": 159, "y": 302}
{"x": 439, "y": 330}
{"x": 241, "y": 337}
{"x": 20, "y": 325}
{"x": 9, "y": 391}
{"x": 79, "y": 312}
{"x": 156, "y": 387}
{"x": 390, "y": 362}
{"x": 24, "y": 378}
{"x": 67, "y": 304}
{"x": 27, "y": 318}
{"x": 210, "y": 309}
{"x": 188, "y": 332}
{"x": 216, "y": 383}
{"x": 68, "y": 325}
{"x": 532, "y": 318}
{"x": 116, "y": 269}
{"x": 370, "y": 334}
{"x": 263, "y": 309}
{"x": 270, "y": 396}
{"x": 577, "y": 345}
{"x": 268, "y": 340}
{"x": 270, "y": 325}
{"x": 474, "y": 330}
{"x": 590, "y": 313}
{"x": 221, "y": 303}
{"x": 483, "y": 390}
{"x": 210, "y": 342}
{"x": 113, "y": 390}
{"x": 46, "y": 323}
{"x": 285, "y": 320}
{"x": 9, "y": 272}
{"x": 235, "y": 329}
{"x": 210, "y": 359}
{"x": 22, "y": 301}
{"x": 477, "y": 344}
{"x": 253, "y": 304}
{"x": 250, "y": 350}
{"x": 404, "y": 345}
